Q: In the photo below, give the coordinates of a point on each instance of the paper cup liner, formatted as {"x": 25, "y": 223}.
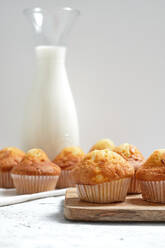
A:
{"x": 6, "y": 180}
{"x": 108, "y": 192}
{"x": 65, "y": 180}
{"x": 33, "y": 184}
{"x": 134, "y": 187}
{"x": 153, "y": 191}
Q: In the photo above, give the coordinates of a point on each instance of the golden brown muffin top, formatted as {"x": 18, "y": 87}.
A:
{"x": 36, "y": 163}
{"x": 154, "y": 167}
{"x": 131, "y": 154}
{"x": 69, "y": 157}
{"x": 9, "y": 157}
{"x": 102, "y": 166}
{"x": 103, "y": 144}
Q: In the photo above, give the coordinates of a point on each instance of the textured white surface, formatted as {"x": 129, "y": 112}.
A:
{"x": 41, "y": 224}
{"x": 9, "y": 196}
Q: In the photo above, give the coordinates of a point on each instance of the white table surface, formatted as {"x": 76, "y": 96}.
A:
{"x": 41, "y": 224}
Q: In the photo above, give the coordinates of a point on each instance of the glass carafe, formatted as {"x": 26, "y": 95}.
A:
{"x": 51, "y": 120}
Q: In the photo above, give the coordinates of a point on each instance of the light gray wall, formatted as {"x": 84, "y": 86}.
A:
{"x": 116, "y": 64}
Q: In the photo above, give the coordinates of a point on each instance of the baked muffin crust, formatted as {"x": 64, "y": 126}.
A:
{"x": 154, "y": 167}
{"x": 131, "y": 154}
{"x": 69, "y": 157}
{"x": 9, "y": 157}
{"x": 102, "y": 166}
{"x": 103, "y": 144}
{"x": 36, "y": 163}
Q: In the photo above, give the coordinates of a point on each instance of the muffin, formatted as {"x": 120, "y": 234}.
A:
{"x": 67, "y": 159}
{"x": 136, "y": 159}
{"x": 103, "y": 177}
{"x": 35, "y": 173}
{"x": 103, "y": 144}
{"x": 9, "y": 157}
{"x": 151, "y": 176}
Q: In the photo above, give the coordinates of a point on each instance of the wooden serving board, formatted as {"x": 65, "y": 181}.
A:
{"x": 133, "y": 209}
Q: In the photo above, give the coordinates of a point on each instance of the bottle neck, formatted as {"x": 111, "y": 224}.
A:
{"x": 50, "y": 54}
{"x": 50, "y": 66}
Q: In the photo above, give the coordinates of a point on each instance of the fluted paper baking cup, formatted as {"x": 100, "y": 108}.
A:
{"x": 5, "y": 180}
{"x": 114, "y": 191}
{"x": 134, "y": 187}
{"x": 33, "y": 184}
{"x": 65, "y": 180}
{"x": 153, "y": 191}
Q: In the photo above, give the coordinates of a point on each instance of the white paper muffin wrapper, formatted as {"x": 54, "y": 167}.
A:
{"x": 153, "y": 191}
{"x": 33, "y": 184}
{"x": 65, "y": 180}
{"x": 5, "y": 180}
{"x": 108, "y": 192}
{"x": 134, "y": 187}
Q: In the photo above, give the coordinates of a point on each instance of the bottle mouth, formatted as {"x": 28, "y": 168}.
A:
{"x": 51, "y": 27}
{"x": 65, "y": 10}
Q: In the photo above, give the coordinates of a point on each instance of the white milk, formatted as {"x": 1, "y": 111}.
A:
{"x": 51, "y": 119}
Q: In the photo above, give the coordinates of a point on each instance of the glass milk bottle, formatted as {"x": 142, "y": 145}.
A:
{"x": 51, "y": 120}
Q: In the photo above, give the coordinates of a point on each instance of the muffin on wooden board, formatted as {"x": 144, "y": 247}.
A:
{"x": 103, "y": 144}
{"x": 151, "y": 176}
{"x": 103, "y": 177}
{"x": 67, "y": 159}
{"x": 135, "y": 158}
{"x": 9, "y": 157}
{"x": 35, "y": 173}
